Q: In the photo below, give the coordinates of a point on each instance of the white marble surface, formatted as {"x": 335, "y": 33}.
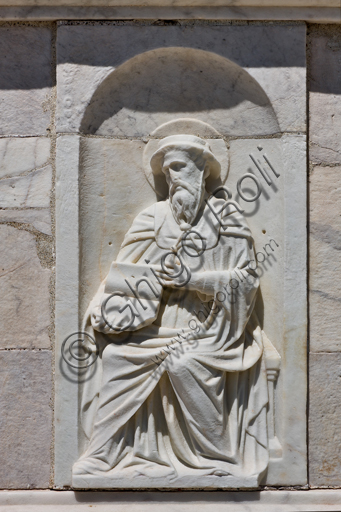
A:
{"x": 187, "y": 161}
{"x": 25, "y": 428}
{"x": 181, "y": 3}
{"x": 26, "y": 80}
{"x": 40, "y": 218}
{"x": 264, "y": 501}
{"x": 24, "y": 292}
{"x": 325, "y": 422}
{"x": 324, "y": 96}
{"x": 325, "y": 260}
{"x": 102, "y": 160}
{"x": 112, "y": 185}
{"x": 67, "y": 318}
{"x": 21, "y": 155}
{"x": 325, "y": 127}
{"x": 265, "y": 217}
{"x": 29, "y": 191}
{"x": 102, "y": 54}
{"x": 295, "y": 304}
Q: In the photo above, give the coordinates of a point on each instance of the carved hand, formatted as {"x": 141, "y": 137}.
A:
{"x": 98, "y": 322}
{"x": 186, "y": 279}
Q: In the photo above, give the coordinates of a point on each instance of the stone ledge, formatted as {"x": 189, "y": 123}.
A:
{"x": 263, "y": 501}
{"x": 174, "y": 3}
{"x": 280, "y": 12}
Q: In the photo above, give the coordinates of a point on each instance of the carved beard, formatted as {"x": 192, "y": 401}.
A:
{"x": 185, "y": 200}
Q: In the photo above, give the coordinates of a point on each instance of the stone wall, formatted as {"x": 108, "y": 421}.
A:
{"x": 324, "y": 51}
{"x": 27, "y": 254}
{"x": 27, "y": 150}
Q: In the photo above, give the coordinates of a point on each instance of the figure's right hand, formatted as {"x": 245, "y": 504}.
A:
{"x": 97, "y": 320}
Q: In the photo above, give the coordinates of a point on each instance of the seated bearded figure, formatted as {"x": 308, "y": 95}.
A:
{"x": 181, "y": 388}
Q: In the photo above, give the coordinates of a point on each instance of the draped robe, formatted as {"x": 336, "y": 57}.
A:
{"x": 171, "y": 399}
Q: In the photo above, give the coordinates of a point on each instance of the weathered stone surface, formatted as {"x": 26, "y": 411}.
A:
{"x": 98, "y": 180}
{"x": 24, "y": 292}
{"x": 256, "y": 90}
{"x": 26, "y": 80}
{"x": 323, "y": 500}
{"x": 185, "y": 3}
{"x": 325, "y": 259}
{"x": 123, "y": 82}
{"x": 39, "y": 219}
{"x": 325, "y": 128}
{"x": 247, "y": 10}
{"x": 325, "y": 95}
{"x": 31, "y": 190}
{"x": 66, "y": 310}
{"x": 325, "y": 419}
{"x": 26, "y": 418}
{"x": 18, "y": 155}
{"x": 315, "y": 11}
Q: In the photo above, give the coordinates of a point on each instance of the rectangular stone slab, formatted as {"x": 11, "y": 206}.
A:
{"x": 101, "y": 187}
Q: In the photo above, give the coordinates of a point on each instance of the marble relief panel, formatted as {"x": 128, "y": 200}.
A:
{"x": 181, "y": 257}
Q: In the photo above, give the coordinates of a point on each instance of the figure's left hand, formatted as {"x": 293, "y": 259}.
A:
{"x": 177, "y": 276}
{"x": 173, "y": 272}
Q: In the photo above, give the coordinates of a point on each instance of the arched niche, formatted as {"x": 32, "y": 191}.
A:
{"x": 169, "y": 83}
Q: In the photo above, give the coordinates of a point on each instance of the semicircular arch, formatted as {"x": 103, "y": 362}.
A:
{"x": 161, "y": 85}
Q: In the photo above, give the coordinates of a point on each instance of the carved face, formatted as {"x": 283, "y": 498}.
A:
{"x": 185, "y": 175}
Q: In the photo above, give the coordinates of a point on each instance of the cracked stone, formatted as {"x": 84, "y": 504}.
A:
{"x": 19, "y": 155}
{"x": 38, "y": 219}
{"x": 32, "y": 190}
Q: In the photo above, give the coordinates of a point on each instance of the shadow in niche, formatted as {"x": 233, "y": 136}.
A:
{"x": 259, "y": 307}
{"x": 181, "y": 81}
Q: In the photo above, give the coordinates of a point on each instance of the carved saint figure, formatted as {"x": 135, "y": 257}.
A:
{"x": 181, "y": 387}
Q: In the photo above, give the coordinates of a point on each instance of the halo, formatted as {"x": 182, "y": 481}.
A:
{"x": 186, "y": 126}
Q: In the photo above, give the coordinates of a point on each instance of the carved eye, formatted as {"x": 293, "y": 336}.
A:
{"x": 177, "y": 166}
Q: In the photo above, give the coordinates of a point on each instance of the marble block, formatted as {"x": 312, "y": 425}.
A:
{"x": 21, "y": 155}
{"x": 25, "y": 427}
{"x": 24, "y": 296}
{"x": 26, "y": 80}
{"x": 28, "y": 191}
{"x": 325, "y": 260}
{"x": 96, "y": 66}
{"x": 181, "y": 3}
{"x": 40, "y": 219}
{"x": 245, "y": 10}
{"x": 101, "y": 192}
{"x": 321, "y": 500}
{"x": 324, "y": 95}
{"x": 153, "y": 377}
{"x": 324, "y": 419}
{"x": 67, "y": 284}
